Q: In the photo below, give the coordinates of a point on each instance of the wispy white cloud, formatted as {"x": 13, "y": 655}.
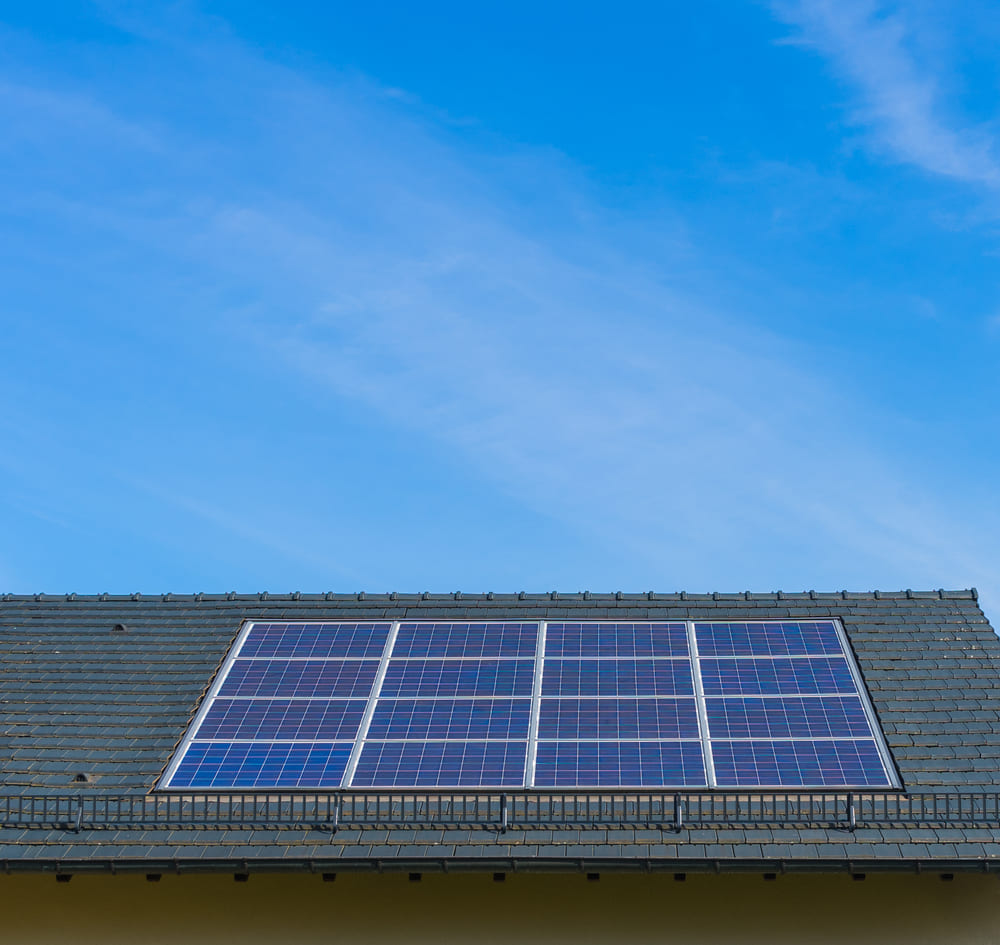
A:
{"x": 901, "y": 98}
{"x": 392, "y": 269}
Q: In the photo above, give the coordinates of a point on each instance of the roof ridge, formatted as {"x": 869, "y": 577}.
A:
{"x": 940, "y": 593}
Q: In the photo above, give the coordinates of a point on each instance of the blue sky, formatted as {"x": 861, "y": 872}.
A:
{"x": 494, "y": 297}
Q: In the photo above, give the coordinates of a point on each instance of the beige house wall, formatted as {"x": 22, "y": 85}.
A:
{"x": 742, "y": 910}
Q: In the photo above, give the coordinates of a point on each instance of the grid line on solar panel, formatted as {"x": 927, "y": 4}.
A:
{"x": 465, "y": 641}
{"x": 282, "y": 677}
{"x": 618, "y": 677}
{"x": 619, "y": 764}
{"x": 747, "y": 676}
{"x": 775, "y": 717}
{"x": 768, "y": 638}
{"x": 833, "y": 763}
{"x": 448, "y": 678}
{"x": 618, "y": 719}
{"x": 278, "y": 719}
{"x": 314, "y": 641}
{"x": 615, "y": 640}
{"x": 441, "y": 764}
{"x": 249, "y": 765}
{"x": 465, "y": 719}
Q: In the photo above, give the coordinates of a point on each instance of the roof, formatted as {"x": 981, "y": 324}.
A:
{"x": 105, "y": 686}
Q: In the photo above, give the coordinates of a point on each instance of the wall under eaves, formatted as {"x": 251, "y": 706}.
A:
{"x": 526, "y": 909}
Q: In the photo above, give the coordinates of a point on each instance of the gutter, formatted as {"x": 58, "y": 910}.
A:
{"x": 65, "y": 867}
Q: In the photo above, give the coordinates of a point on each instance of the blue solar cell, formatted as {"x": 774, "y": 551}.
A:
{"x": 615, "y": 639}
{"x": 451, "y": 718}
{"x": 251, "y": 765}
{"x": 319, "y": 641}
{"x": 619, "y": 764}
{"x": 618, "y": 718}
{"x": 609, "y": 677}
{"x": 270, "y": 719}
{"x": 768, "y": 638}
{"x": 300, "y": 678}
{"x": 441, "y": 764}
{"x": 792, "y": 717}
{"x": 836, "y": 763}
{"x": 444, "y": 678}
{"x": 792, "y": 676}
{"x": 470, "y": 640}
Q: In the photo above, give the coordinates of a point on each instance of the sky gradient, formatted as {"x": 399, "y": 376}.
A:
{"x": 401, "y": 297}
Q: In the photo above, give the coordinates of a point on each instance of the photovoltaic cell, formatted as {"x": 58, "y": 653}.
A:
{"x": 304, "y": 719}
{"x": 468, "y": 640}
{"x": 616, "y": 677}
{"x": 441, "y": 764}
{"x": 445, "y": 678}
{"x": 791, "y": 717}
{"x": 251, "y": 765}
{"x": 623, "y": 640}
{"x": 795, "y": 676}
{"x": 618, "y": 764}
{"x": 319, "y": 641}
{"x": 313, "y": 678}
{"x": 768, "y": 638}
{"x": 835, "y": 763}
{"x": 465, "y": 719}
{"x": 618, "y": 719}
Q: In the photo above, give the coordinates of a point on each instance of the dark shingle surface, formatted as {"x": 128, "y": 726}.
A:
{"x": 77, "y": 696}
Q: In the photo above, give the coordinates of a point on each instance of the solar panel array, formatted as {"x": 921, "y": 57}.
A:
{"x": 548, "y": 705}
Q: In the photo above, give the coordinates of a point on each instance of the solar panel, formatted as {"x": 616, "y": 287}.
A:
{"x": 832, "y": 763}
{"x": 463, "y": 719}
{"x": 781, "y": 676}
{"x": 508, "y": 704}
{"x": 252, "y": 765}
{"x": 318, "y": 640}
{"x": 620, "y": 640}
{"x": 441, "y": 764}
{"x": 466, "y": 640}
{"x": 302, "y": 678}
{"x": 283, "y": 719}
{"x": 821, "y": 717}
{"x": 618, "y": 719}
{"x": 604, "y": 764}
{"x": 439, "y": 679}
{"x": 616, "y": 677}
{"x": 768, "y": 638}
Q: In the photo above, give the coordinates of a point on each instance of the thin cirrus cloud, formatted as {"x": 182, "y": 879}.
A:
{"x": 389, "y": 265}
{"x": 902, "y": 102}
